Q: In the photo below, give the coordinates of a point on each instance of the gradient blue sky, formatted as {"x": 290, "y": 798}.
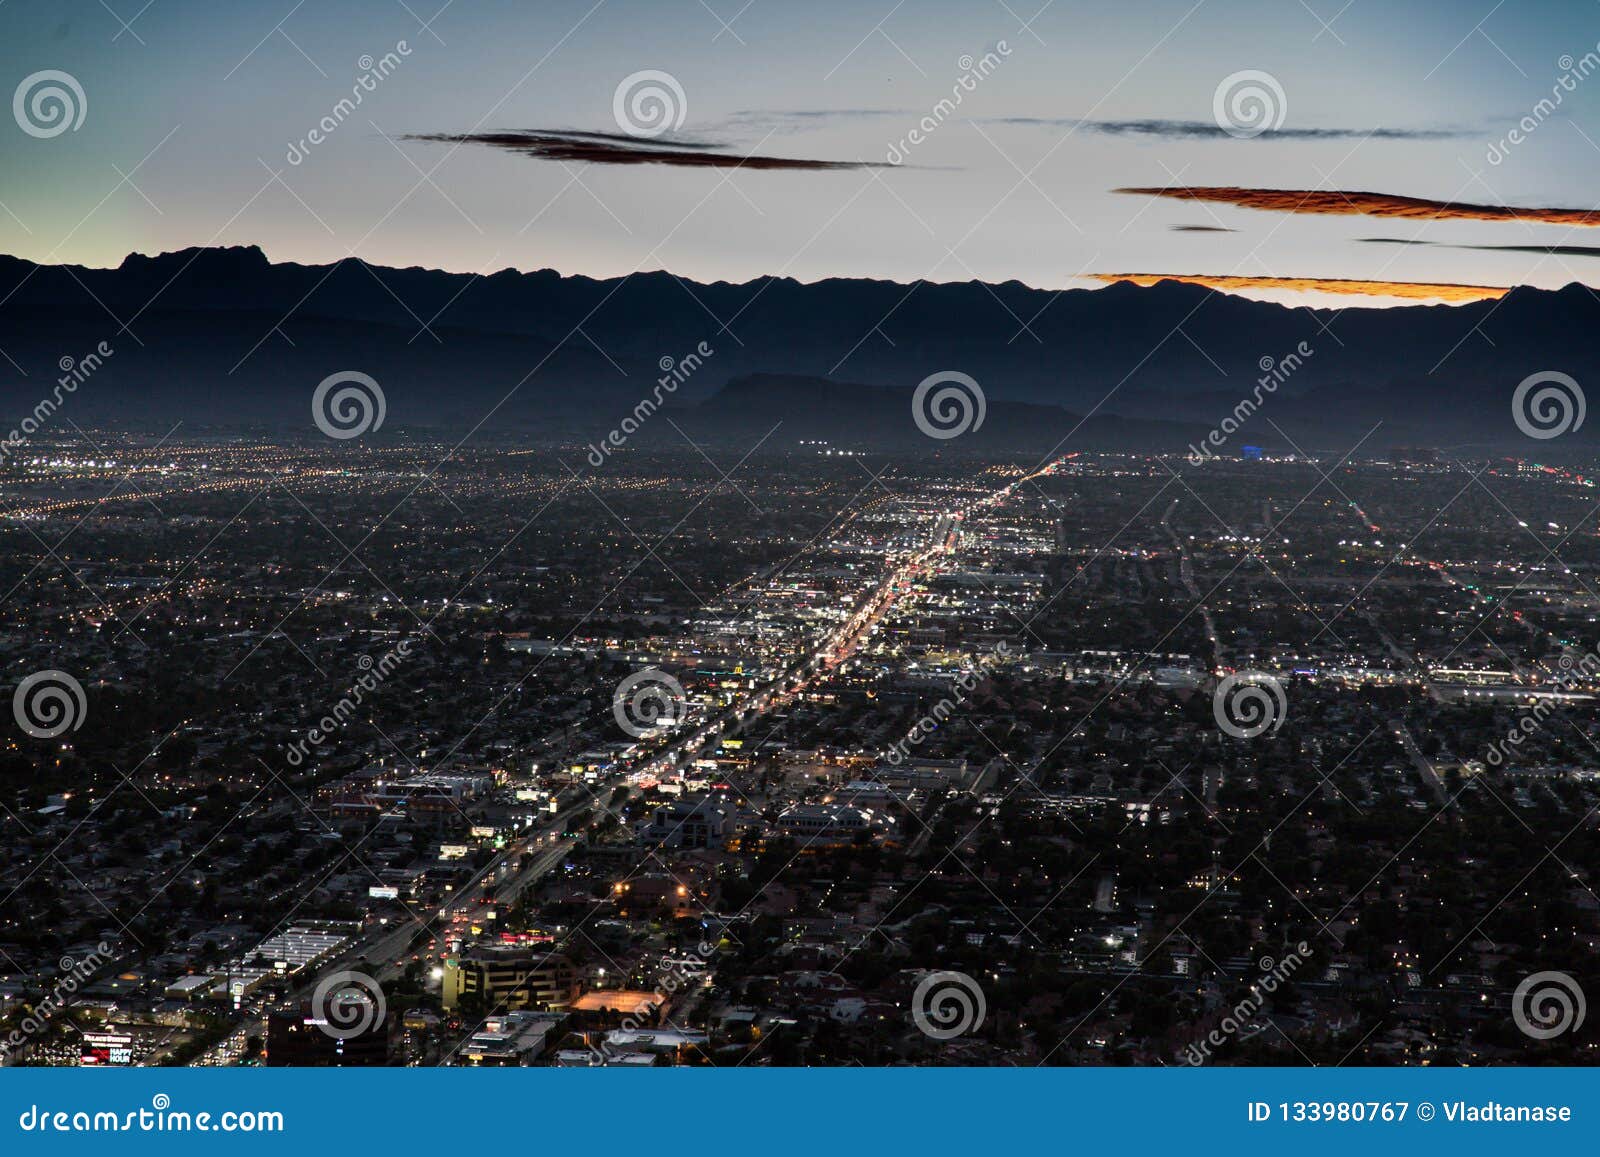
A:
{"x": 226, "y": 94}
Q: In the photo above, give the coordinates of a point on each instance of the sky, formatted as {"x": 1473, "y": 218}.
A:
{"x": 196, "y": 122}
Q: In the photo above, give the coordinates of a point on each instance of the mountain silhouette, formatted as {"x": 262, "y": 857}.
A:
{"x": 227, "y": 337}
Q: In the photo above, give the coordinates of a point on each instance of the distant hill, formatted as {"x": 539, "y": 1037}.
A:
{"x": 850, "y": 414}
{"x": 229, "y": 337}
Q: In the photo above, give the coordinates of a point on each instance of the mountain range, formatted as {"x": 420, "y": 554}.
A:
{"x": 227, "y": 337}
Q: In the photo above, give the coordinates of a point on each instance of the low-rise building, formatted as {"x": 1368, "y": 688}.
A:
{"x": 510, "y": 977}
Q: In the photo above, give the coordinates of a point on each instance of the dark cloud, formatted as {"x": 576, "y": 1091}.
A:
{"x": 1356, "y": 203}
{"x": 616, "y": 149}
{"x": 1547, "y": 250}
{"x": 792, "y": 119}
{"x": 1411, "y": 290}
{"x": 1210, "y": 130}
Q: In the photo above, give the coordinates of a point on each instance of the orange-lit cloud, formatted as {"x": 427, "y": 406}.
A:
{"x": 1356, "y": 203}
{"x": 1414, "y": 290}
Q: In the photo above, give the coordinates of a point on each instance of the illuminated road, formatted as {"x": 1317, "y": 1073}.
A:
{"x": 838, "y": 645}
{"x": 382, "y": 951}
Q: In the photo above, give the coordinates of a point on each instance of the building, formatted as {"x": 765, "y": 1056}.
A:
{"x": 688, "y": 823}
{"x": 118, "y": 1044}
{"x": 828, "y": 824}
{"x": 299, "y": 1038}
{"x": 301, "y": 947}
{"x": 648, "y": 1046}
{"x": 512, "y": 1039}
{"x": 653, "y": 895}
{"x": 510, "y": 976}
{"x": 192, "y": 987}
